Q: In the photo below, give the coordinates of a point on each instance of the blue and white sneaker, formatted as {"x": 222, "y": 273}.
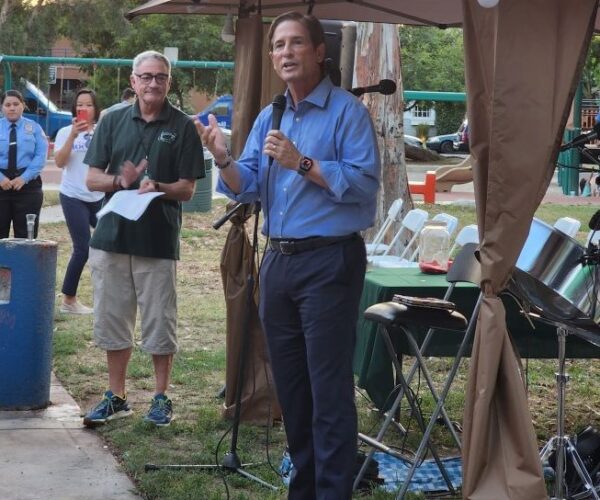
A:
{"x": 160, "y": 412}
{"x": 111, "y": 407}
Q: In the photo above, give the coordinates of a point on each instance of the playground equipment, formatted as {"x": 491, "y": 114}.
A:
{"x": 447, "y": 176}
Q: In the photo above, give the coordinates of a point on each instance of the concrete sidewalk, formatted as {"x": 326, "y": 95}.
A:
{"x": 48, "y": 454}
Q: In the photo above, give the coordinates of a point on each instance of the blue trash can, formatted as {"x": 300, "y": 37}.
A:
{"x": 27, "y": 281}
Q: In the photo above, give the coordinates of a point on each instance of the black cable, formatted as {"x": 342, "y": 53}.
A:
{"x": 218, "y": 464}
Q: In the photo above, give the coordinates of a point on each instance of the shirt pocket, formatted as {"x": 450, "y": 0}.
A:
{"x": 26, "y": 146}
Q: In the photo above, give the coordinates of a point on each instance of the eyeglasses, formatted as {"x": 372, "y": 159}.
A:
{"x": 161, "y": 78}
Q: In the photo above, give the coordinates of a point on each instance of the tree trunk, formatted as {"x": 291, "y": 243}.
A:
{"x": 378, "y": 57}
{"x": 420, "y": 154}
{"x": 4, "y": 7}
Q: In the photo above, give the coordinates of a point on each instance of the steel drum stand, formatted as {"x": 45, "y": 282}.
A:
{"x": 561, "y": 443}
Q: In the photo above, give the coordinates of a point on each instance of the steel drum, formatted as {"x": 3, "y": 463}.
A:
{"x": 551, "y": 275}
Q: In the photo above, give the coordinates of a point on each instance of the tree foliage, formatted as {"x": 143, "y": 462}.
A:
{"x": 590, "y": 78}
{"x": 98, "y": 28}
{"x": 433, "y": 60}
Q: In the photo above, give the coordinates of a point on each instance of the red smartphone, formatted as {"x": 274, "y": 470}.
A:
{"x": 82, "y": 115}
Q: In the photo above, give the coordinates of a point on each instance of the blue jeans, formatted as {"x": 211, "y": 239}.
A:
{"x": 80, "y": 216}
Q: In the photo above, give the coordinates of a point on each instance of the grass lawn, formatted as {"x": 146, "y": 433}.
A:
{"x": 197, "y": 436}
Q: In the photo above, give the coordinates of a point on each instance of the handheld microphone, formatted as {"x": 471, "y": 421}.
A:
{"x": 582, "y": 139}
{"x": 223, "y": 219}
{"x": 385, "y": 87}
{"x": 279, "y": 103}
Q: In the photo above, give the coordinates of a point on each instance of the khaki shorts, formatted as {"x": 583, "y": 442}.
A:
{"x": 122, "y": 283}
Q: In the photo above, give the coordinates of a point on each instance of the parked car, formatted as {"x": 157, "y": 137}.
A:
{"x": 462, "y": 142}
{"x": 222, "y": 108}
{"x": 442, "y": 143}
{"x": 42, "y": 110}
{"x": 411, "y": 140}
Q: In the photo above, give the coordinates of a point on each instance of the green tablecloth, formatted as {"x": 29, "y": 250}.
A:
{"x": 372, "y": 364}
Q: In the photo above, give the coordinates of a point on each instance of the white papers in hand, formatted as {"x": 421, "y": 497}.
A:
{"x": 129, "y": 204}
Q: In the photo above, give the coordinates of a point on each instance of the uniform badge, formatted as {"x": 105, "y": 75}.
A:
{"x": 28, "y": 127}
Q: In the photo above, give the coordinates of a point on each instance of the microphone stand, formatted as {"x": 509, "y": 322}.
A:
{"x": 231, "y": 461}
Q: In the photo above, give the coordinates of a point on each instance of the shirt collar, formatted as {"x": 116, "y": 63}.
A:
{"x": 17, "y": 123}
{"x": 162, "y": 117}
{"x": 318, "y": 96}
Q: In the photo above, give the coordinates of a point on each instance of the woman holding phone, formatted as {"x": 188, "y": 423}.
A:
{"x": 23, "y": 151}
{"x": 79, "y": 204}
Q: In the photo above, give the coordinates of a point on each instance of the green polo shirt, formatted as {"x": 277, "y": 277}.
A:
{"x": 174, "y": 151}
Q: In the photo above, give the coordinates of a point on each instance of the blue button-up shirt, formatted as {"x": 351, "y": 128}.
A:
{"x": 32, "y": 147}
{"x": 332, "y": 126}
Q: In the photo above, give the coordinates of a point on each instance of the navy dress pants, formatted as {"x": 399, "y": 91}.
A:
{"x": 14, "y": 205}
{"x": 309, "y": 308}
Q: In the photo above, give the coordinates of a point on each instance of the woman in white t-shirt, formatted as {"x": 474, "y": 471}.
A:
{"x": 79, "y": 204}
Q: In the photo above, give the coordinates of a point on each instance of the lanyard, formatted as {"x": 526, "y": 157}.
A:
{"x": 146, "y": 147}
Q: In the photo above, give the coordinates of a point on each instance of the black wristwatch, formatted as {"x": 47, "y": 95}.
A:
{"x": 305, "y": 165}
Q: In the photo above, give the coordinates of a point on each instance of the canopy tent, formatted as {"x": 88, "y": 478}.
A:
{"x": 523, "y": 61}
{"x": 440, "y": 13}
{"x": 422, "y": 12}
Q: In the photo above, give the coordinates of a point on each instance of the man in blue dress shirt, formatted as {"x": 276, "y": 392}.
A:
{"x": 318, "y": 194}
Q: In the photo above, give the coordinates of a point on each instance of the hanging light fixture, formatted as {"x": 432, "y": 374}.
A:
{"x": 488, "y": 4}
{"x": 227, "y": 33}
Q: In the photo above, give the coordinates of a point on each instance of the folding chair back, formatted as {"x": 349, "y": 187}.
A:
{"x": 413, "y": 221}
{"x": 410, "y": 227}
{"x": 376, "y": 246}
{"x": 468, "y": 234}
{"x": 465, "y": 268}
{"x": 450, "y": 220}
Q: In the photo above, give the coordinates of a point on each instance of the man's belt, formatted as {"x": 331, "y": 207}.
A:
{"x": 294, "y": 246}
{"x": 5, "y": 173}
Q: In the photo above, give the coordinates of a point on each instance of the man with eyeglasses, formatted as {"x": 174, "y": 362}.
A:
{"x": 150, "y": 146}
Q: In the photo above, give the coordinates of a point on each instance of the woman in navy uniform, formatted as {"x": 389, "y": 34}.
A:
{"x": 23, "y": 150}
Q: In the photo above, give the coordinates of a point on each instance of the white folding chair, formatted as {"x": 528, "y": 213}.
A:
{"x": 567, "y": 225}
{"x": 377, "y": 247}
{"x": 410, "y": 227}
{"x": 450, "y": 220}
{"x": 468, "y": 234}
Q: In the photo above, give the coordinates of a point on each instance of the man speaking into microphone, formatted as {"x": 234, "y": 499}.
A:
{"x": 319, "y": 192}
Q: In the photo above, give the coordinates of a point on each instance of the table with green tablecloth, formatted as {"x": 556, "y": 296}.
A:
{"x": 372, "y": 364}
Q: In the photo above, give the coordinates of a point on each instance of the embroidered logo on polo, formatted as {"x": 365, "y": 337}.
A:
{"x": 167, "y": 137}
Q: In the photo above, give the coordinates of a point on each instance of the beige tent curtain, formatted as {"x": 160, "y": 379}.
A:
{"x": 523, "y": 62}
{"x": 246, "y": 86}
{"x": 258, "y": 401}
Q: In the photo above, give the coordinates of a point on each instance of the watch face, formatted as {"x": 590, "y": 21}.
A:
{"x": 306, "y": 164}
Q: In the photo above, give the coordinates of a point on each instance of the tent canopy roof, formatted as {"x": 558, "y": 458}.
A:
{"x": 440, "y": 13}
